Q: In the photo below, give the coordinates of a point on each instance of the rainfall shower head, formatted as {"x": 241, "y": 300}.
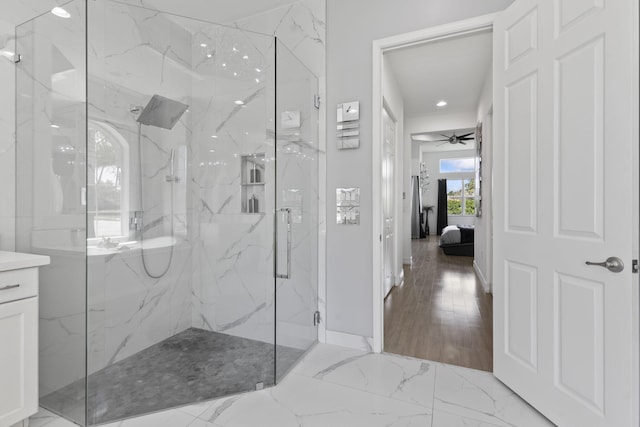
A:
{"x": 162, "y": 112}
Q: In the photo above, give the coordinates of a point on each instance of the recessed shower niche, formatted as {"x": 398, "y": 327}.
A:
{"x": 141, "y": 138}
{"x": 252, "y": 172}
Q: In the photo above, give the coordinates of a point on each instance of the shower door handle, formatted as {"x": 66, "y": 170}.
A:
{"x": 288, "y": 274}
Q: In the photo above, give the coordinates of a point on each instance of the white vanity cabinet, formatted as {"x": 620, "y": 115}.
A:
{"x": 18, "y": 336}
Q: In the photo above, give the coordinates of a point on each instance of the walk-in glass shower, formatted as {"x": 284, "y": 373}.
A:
{"x": 169, "y": 168}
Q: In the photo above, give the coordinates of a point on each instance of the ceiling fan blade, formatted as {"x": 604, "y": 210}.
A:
{"x": 446, "y": 136}
{"x": 438, "y": 140}
{"x": 462, "y": 142}
{"x": 465, "y": 135}
{"x": 466, "y": 139}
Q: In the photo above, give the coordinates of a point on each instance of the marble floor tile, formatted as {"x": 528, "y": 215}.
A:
{"x": 480, "y": 396}
{"x": 398, "y": 377}
{"x": 45, "y": 418}
{"x": 170, "y": 418}
{"x": 444, "y": 419}
{"x": 303, "y": 401}
{"x": 338, "y": 387}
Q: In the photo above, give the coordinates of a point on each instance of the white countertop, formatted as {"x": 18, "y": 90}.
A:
{"x": 16, "y": 260}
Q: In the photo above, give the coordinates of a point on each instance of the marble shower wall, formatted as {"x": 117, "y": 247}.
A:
{"x": 300, "y": 26}
{"x": 301, "y": 29}
{"x": 233, "y": 117}
{"x": 134, "y": 54}
{"x": 233, "y": 292}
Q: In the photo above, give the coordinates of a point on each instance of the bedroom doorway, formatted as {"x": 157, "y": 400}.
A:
{"x": 441, "y": 310}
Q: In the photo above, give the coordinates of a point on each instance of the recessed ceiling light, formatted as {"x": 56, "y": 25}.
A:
{"x": 55, "y": 126}
{"x": 258, "y": 70}
{"x": 257, "y": 80}
{"x": 239, "y": 102}
{"x": 60, "y": 12}
{"x": 214, "y": 136}
{"x": 224, "y": 64}
{"x": 203, "y": 45}
{"x": 245, "y": 57}
{"x": 441, "y": 103}
{"x": 209, "y": 55}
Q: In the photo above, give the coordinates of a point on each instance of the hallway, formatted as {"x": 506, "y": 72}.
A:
{"x": 441, "y": 312}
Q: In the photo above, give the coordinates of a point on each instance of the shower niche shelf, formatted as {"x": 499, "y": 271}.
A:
{"x": 252, "y": 171}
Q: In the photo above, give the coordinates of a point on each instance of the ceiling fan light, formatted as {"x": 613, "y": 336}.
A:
{"x": 441, "y": 103}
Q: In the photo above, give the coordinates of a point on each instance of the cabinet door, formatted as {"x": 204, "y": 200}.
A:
{"x": 18, "y": 360}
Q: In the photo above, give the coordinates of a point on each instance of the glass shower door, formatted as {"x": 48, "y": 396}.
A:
{"x": 296, "y": 210}
{"x": 50, "y": 195}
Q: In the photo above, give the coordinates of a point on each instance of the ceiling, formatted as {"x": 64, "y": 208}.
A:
{"x": 218, "y": 11}
{"x": 454, "y": 69}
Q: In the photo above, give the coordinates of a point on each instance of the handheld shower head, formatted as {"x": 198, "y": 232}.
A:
{"x": 162, "y": 112}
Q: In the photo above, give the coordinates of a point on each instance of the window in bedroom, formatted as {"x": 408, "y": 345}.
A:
{"x": 461, "y": 197}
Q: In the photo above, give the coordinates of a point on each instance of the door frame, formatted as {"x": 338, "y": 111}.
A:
{"x": 467, "y": 26}
{"x": 397, "y": 276}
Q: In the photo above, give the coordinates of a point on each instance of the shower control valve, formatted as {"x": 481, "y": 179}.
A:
{"x": 135, "y": 221}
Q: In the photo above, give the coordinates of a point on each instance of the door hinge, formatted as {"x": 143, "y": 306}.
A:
{"x": 316, "y": 318}
{"x": 634, "y": 266}
{"x": 316, "y": 101}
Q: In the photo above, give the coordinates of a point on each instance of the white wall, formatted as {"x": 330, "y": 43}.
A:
{"x": 394, "y": 101}
{"x": 352, "y": 25}
{"x": 483, "y": 231}
{"x": 432, "y": 161}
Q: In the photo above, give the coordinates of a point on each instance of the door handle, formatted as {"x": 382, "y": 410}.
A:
{"x": 288, "y": 274}
{"x": 6, "y": 288}
{"x": 613, "y": 264}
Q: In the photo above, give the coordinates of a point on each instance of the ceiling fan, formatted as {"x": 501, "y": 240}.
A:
{"x": 455, "y": 139}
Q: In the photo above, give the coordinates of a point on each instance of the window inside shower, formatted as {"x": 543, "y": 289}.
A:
{"x": 163, "y": 288}
{"x": 108, "y": 172}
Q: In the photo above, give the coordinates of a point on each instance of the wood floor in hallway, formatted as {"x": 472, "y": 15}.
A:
{"x": 441, "y": 312}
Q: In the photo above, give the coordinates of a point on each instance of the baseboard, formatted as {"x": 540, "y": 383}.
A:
{"x": 485, "y": 283}
{"x": 407, "y": 261}
{"x": 344, "y": 339}
{"x": 400, "y": 278}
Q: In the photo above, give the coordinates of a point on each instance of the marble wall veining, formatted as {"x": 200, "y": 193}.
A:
{"x": 300, "y": 26}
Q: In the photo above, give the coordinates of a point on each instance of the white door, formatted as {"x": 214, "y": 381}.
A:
{"x": 564, "y": 158}
{"x": 388, "y": 159}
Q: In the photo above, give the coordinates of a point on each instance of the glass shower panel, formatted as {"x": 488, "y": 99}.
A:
{"x": 154, "y": 167}
{"x": 51, "y": 195}
{"x": 180, "y": 273}
{"x": 297, "y": 209}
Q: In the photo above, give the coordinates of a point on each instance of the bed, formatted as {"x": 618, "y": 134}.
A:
{"x": 457, "y": 240}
